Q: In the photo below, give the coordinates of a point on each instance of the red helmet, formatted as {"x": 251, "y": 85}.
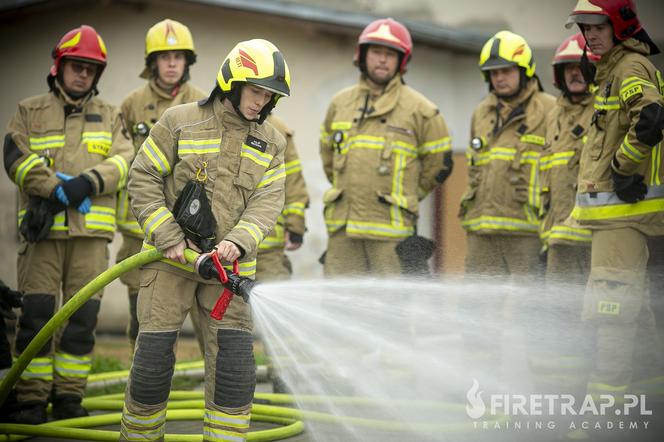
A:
{"x": 82, "y": 43}
{"x": 386, "y": 32}
{"x": 621, "y": 13}
{"x": 570, "y": 51}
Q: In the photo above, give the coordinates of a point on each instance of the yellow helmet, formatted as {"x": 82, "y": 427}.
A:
{"x": 168, "y": 35}
{"x": 257, "y": 62}
{"x": 507, "y": 49}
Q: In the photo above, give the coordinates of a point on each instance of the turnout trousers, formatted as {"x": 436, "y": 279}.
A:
{"x": 617, "y": 304}
{"x": 50, "y": 272}
{"x": 131, "y": 246}
{"x": 348, "y": 256}
{"x": 164, "y": 300}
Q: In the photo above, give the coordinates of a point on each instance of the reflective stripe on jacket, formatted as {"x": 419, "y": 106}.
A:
{"x": 51, "y": 133}
{"x": 503, "y": 194}
{"x": 146, "y": 105}
{"x": 291, "y": 218}
{"x": 559, "y": 165}
{"x": 628, "y": 98}
{"x": 382, "y": 156}
{"x": 242, "y": 164}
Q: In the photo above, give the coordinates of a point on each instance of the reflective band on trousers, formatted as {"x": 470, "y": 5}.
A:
{"x": 136, "y": 427}
{"x": 215, "y": 435}
{"x": 228, "y": 420}
{"x": 69, "y": 365}
{"x": 607, "y": 205}
{"x": 39, "y": 368}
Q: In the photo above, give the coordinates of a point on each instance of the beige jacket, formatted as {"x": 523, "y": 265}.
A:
{"x": 141, "y": 110}
{"x": 297, "y": 199}
{"x": 52, "y": 133}
{"x": 628, "y": 100}
{"x": 382, "y": 156}
{"x": 559, "y": 165}
{"x": 242, "y": 164}
{"x": 503, "y": 194}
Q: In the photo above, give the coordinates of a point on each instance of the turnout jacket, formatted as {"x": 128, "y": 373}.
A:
{"x": 141, "y": 110}
{"x": 382, "y": 156}
{"x": 507, "y": 138}
{"x": 291, "y": 218}
{"x": 53, "y": 133}
{"x": 566, "y": 133}
{"x": 626, "y": 134}
{"x": 240, "y": 162}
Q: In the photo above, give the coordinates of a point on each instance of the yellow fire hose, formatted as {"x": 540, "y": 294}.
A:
{"x": 185, "y": 405}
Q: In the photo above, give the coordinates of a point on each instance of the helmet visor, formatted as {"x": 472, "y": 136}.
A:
{"x": 496, "y": 63}
{"x": 586, "y": 19}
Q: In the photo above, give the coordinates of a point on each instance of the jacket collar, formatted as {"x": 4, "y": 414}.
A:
{"x": 228, "y": 118}
{"x": 565, "y": 103}
{"x": 162, "y": 93}
{"x": 66, "y": 100}
{"x": 386, "y": 102}
{"x": 609, "y": 60}
{"x": 531, "y": 87}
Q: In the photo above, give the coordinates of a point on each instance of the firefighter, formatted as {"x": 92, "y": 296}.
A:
{"x": 223, "y": 147}
{"x": 288, "y": 234}
{"x": 557, "y": 358}
{"x": 500, "y": 206}
{"x": 619, "y": 194}
{"x": 568, "y": 248}
{"x": 384, "y": 148}
{"x": 169, "y": 52}
{"x": 68, "y": 153}
{"x": 272, "y": 264}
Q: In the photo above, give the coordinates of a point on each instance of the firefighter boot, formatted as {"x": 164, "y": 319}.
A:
{"x": 32, "y": 413}
{"x": 67, "y": 407}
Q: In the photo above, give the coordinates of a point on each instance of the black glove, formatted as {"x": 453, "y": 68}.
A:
{"x": 446, "y": 171}
{"x": 414, "y": 253}
{"x": 629, "y": 188}
{"x": 38, "y": 218}
{"x": 77, "y": 189}
{"x": 295, "y": 238}
{"x": 9, "y": 299}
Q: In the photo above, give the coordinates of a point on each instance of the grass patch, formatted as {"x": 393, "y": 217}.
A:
{"x": 104, "y": 364}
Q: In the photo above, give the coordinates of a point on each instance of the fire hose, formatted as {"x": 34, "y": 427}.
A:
{"x": 181, "y": 406}
{"x": 203, "y": 263}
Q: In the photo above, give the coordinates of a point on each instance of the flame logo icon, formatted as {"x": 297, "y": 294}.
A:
{"x": 475, "y": 408}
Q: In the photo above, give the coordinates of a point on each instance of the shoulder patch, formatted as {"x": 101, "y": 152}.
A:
{"x": 93, "y": 118}
{"x": 257, "y": 144}
{"x": 631, "y": 92}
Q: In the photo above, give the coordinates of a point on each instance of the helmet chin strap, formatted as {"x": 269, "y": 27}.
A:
{"x": 235, "y": 95}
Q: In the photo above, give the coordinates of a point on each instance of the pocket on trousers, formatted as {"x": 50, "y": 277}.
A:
{"x": 614, "y": 296}
{"x": 144, "y": 302}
